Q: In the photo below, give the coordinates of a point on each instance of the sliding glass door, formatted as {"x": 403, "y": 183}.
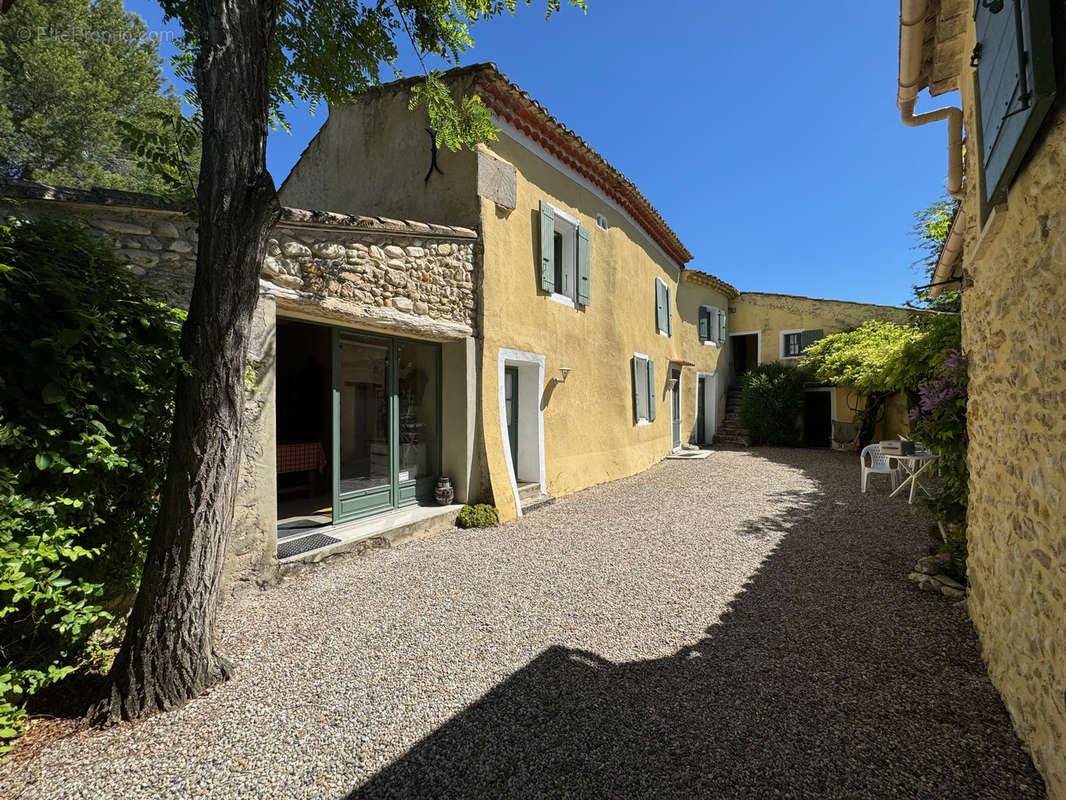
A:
{"x": 386, "y": 423}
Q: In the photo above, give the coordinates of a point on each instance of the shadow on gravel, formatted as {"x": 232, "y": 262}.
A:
{"x": 830, "y": 676}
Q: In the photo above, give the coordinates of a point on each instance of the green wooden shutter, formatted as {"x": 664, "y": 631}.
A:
{"x": 1015, "y": 83}
{"x": 705, "y": 324}
{"x": 660, "y": 306}
{"x": 651, "y": 390}
{"x": 547, "y": 247}
{"x": 636, "y": 390}
{"x": 807, "y": 338}
{"x": 584, "y": 256}
{"x": 721, "y": 325}
{"x": 669, "y": 313}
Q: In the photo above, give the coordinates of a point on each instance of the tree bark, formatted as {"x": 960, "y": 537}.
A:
{"x": 871, "y": 415}
{"x": 168, "y": 655}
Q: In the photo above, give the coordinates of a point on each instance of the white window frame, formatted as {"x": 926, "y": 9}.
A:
{"x": 646, "y": 419}
{"x": 758, "y": 341}
{"x": 669, "y": 310}
{"x": 714, "y": 341}
{"x": 781, "y": 344}
{"x": 566, "y": 226}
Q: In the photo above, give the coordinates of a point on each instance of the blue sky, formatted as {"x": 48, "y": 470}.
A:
{"x": 770, "y": 142}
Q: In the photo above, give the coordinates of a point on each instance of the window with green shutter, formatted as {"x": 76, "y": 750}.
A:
{"x": 807, "y": 338}
{"x": 721, "y": 325}
{"x": 565, "y": 257}
{"x": 705, "y": 323}
{"x": 712, "y": 328}
{"x": 1015, "y": 85}
{"x": 643, "y": 389}
{"x": 663, "y": 314}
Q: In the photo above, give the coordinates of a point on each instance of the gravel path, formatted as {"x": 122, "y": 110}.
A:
{"x": 739, "y": 626}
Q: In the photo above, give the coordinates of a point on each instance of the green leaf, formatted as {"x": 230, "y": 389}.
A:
{"x": 51, "y": 394}
{"x": 43, "y": 461}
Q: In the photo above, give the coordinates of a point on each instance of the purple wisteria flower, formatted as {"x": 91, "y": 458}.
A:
{"x": 914, "y": 413}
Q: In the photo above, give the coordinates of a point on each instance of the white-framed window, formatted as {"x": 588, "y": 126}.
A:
{"x": 712, "y": 325}
{"x": 565, "y": 256}
{"x": 794, "y": 342}
{"x": 664, "y": 315}
{"x": 790, "y": 344}
{"x": 643, "y": 389}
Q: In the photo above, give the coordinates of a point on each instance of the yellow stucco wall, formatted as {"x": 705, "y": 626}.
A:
{"x": 371, "y": 157}
{"x": 589, "y": 431}
{"x": 1014, "y": 335}
{"x": 771, "y": 314}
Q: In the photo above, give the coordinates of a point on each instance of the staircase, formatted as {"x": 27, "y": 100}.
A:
{"x": 531, "y": 497}
{"x": 729, "y": 433}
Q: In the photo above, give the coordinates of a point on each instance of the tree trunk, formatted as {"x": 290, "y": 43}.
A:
{"x": 168, "y": 655}
{"x": 871, "y": 415}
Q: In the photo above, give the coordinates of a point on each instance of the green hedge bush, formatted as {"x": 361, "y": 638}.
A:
{"x": 479, "y": 516}
{"x": 86, "y": 395}
{"x": 772, "y": 403}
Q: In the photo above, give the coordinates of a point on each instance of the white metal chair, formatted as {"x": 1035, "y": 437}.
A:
{"x": 879, "y": 463}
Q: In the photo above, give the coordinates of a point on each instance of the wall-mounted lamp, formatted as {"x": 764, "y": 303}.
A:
{"x": 564, "y": 371}
{"x": 670, "y": 384}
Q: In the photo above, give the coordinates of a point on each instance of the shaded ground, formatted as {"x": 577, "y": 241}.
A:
{"x": 734, "y": 627}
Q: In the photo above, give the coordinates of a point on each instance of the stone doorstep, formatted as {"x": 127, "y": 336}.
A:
{"x": 379, "y": 532}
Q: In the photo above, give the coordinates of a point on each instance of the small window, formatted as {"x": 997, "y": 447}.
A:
{"x": 792, "y": 345}
{"x": 712, "y": 326}
{"x": 565, "y": 257}
{"x": 643, "y": 389}
{"x": 664, "y": 318}
{"x": 601, "y": 222}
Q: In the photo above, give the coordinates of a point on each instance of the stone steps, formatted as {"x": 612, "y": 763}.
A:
{"x": 531, "y": 497}
{"x": 731, "y": 433}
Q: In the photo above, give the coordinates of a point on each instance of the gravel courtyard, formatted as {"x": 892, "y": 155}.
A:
{"x": 739, "y": 626}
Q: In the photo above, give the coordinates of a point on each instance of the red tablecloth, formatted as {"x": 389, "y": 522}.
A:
{"x": 301, "y": 457}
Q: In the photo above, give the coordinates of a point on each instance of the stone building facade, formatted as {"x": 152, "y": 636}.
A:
{"x": 1009, "y": 258}
{"x": 373, "y": 274}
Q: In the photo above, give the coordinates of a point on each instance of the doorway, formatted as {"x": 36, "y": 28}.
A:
{"x": 358, "y": 424}
{"x": 706, "y": 407}
{"x": 303, "y": 427}
{"x": 510, "y": 380}
{"x": 746, "y": 349}
{"x": 386, "y": 423}
{"x": 817, "y": 417}
{"x": 675, "y": 408}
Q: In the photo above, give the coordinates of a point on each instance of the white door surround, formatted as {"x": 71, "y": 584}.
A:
{"x": 530, "y": 466}
{"x": 710, "y": 401}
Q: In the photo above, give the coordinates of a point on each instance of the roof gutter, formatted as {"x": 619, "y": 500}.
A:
{"x": 911, "y": 39}
{"x": 944, "y": 273}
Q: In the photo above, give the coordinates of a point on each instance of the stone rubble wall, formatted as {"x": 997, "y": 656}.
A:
{"x": 391, "y": 275}
{"x": 1014, "y": 335}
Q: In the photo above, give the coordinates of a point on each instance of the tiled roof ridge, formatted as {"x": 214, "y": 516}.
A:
{"x": 517, "y": 107}
{"x": 713, "y": 281}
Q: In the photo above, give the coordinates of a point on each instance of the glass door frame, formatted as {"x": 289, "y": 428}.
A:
{"x": 360, "y": 503}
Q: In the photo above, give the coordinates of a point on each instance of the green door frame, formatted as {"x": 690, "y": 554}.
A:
{"x": 512, "y": 418}
{"x": 395, "y": 493}
{"x": 675, "y": 410}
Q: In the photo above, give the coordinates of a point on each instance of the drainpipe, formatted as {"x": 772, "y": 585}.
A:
{"x": 911, "y": 38}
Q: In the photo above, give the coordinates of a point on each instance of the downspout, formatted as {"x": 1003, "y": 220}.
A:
{"x": 911, "y": 38}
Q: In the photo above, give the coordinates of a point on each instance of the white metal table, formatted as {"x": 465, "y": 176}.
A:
{"x": 913, "y": 465}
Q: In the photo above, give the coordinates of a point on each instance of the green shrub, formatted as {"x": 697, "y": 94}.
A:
{"x": 772, "y": 403}
{"x": 479, "y": 516}
{"x": 86, "y": 394}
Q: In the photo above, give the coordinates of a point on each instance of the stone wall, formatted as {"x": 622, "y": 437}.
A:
{"x": 394, "y": 276}
{"x": 1014, "y": 334}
